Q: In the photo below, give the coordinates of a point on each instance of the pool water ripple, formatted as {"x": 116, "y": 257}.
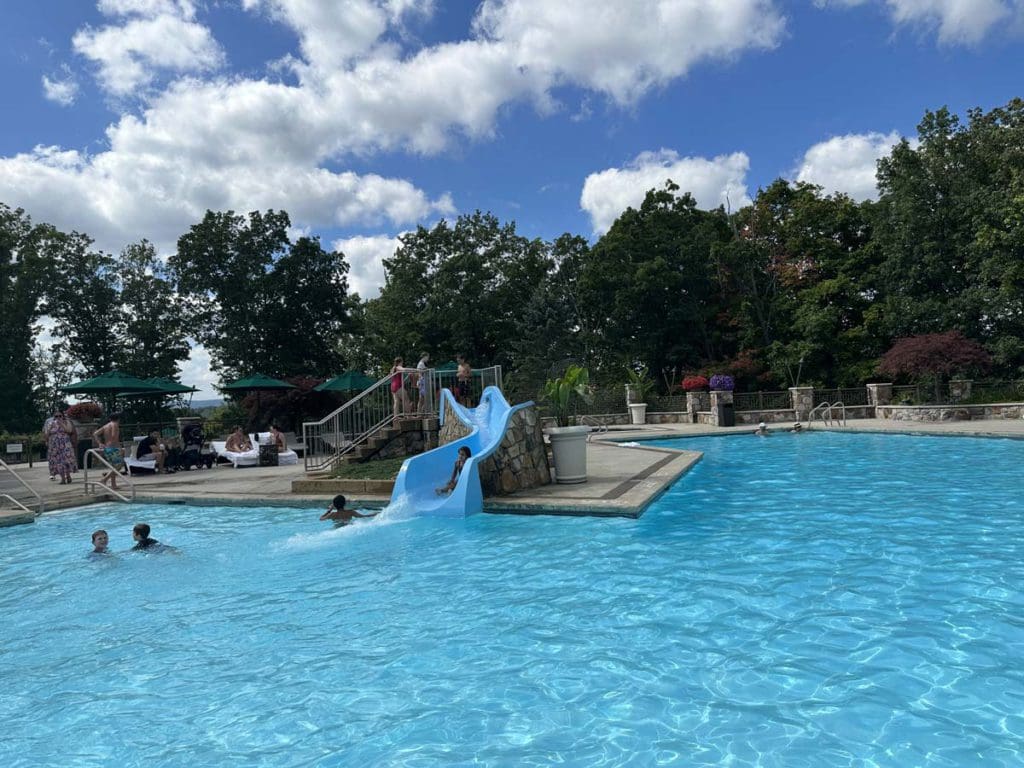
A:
{"x": 811, "y": 600}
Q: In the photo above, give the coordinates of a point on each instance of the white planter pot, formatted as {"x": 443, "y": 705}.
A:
{"x": 569, "y": 445}
{"x": 638, "y": 413}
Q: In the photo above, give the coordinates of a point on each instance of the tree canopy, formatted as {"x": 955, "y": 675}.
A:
{"x": 797, "y": 287}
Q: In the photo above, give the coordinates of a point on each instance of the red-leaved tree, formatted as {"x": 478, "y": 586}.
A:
{"x": 934, "y": 356}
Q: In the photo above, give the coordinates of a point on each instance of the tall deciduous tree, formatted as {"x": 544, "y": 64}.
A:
{"x": 253, "y": 293}
{"x": 648, "y": 290}
{"x": 25, "y": 250}
{"x": 949, "y": 223}
{"x": 457, "y": 289}
{"x": 154, "y": 332}
{"x": 83, "y": 301}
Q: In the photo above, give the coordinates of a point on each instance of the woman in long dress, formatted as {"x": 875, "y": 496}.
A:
{"x": 60, "y": 453}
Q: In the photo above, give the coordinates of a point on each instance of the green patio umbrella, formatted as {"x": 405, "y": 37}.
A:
{"x": 257, "y": 383}
{"x": 451, "y": 365}
{"x": 109, "y": 385}
{"x": 172, "y": 387}
{"x": 349, "y": 381}
{"x": 163, "y": 387}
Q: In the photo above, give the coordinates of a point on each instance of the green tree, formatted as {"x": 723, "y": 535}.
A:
{"x": 84, "y": 302}
{"x": 648, "y": 291}
{"x": 551, "y": 327}
{"x": 456, "y": 289}
{"x": 153, "y": 319}
{"x": 949, "y": 226}
{"x": 25, "y": 251}
{"x": 252, "y": 293}
{"x": 798, "y": 279}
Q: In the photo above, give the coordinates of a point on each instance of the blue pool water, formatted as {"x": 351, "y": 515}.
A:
{"x": 812, "y": 600}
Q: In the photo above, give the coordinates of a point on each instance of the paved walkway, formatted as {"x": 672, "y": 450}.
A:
{"x": 622, "y": 480}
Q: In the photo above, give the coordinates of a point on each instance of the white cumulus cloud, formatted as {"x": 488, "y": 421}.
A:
{"x": 365, "y": 255}
{"x": 718, "y": 181}
{"x": 209, "y": 141}
{"x": 158, "y": 35}
{"x": 619, "y": 48}
{"x": 955, "y": 22}
{"x": 847, "y": 163}
{"x": 62, "y": 89}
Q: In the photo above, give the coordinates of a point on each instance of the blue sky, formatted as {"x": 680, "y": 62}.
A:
{"x": 128, "y": 118}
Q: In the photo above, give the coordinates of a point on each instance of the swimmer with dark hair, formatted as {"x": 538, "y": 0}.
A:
{"x": 143, "y": 543}
{"x": 339, "y": 514}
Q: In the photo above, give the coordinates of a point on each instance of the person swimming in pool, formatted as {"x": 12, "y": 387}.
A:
{"x": 100, "y": 541}
{"x": 143, "y": 543}
{"x": 340, "y": 515}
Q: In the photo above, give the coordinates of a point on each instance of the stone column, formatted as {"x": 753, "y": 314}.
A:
{"x": 718, "y": 397}
{"x": 184, "y": 421}
{"x": 879, "y": 394}
{"x": 803, "y": 401}
{"x": 960, "y": 389}
{"x": 692, "y": 406}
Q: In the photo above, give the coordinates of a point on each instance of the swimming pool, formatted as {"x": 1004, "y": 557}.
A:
{"x": 812, "y": 600}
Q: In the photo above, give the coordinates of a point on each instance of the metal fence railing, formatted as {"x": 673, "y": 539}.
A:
{"x": 920, "y": 394}
{"x": 762, "y": 401}
{"x": 667, "y": 403}
{"x": 996, "y": 392}
{"x": 846, "y": 395}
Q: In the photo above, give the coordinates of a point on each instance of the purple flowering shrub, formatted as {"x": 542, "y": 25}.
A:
{"x": 722, "y": 381}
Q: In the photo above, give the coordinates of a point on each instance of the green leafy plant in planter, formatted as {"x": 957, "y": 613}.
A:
{"x": 564, "y": 393}
{"x": 640, "y": 383}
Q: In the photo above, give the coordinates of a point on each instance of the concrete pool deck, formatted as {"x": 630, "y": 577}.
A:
{"x": 622, "y": 480}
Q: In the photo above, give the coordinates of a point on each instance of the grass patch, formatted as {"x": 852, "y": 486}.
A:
{"x": 383, "y": 469}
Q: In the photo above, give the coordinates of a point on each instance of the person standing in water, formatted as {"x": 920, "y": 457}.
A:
{"x": 100, "y": 541}
{"x": 338, "y": 513}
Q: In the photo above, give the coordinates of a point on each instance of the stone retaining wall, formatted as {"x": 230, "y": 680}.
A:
{"x": 950, "y": 412}
{"x": 416, "y": 436}
{"x": 519, "y": 463}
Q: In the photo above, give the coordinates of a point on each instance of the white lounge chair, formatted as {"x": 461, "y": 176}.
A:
{"x": 237, "y": 459}
{"x": 130, "y": 460}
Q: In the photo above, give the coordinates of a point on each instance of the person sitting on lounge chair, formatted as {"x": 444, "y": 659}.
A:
{"x": 238, "y": 441}
{"x": 151, "y": 449}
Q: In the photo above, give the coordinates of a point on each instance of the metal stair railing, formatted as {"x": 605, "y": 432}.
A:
{"x": 351, "y": 425}
{"x": 824, "y": 411}
{"x": 821, "y": 410}
{"x": 5, "y": 467}
{"x": 838, "y": 404}
{"x": 371, "y": 411}
{"x": 94, "y": 453}
{"x": 599, "y": 425}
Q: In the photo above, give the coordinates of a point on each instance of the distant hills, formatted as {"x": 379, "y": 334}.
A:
{"x": 199, "y": 405}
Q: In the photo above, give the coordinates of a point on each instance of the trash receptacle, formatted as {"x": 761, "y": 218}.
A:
{"x": 268, "y": 455}
{"x": 726, "y": 415}
{"x": 81, "y": 448}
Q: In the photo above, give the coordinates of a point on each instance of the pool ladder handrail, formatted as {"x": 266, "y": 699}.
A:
{"x": 824, "y": 410}
{"x": 600, "y": 424}
{"x": 5, "y": 467}
{"x": 93, "y": 453}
